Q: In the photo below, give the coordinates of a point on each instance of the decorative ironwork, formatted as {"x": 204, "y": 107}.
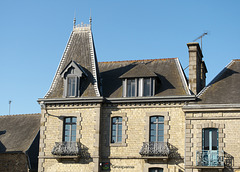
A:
{"x": 154, "y": 149}
{"x": 210, "y": 158}
{"x": 66, "y": 148}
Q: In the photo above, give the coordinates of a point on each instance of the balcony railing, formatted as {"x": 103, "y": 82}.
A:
{"x": 66, "y": 149}
{"x": 211, "y": 158}
{"x": 154, "y": 149}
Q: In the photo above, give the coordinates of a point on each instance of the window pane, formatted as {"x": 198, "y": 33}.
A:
{"x": 71, "y": 86}
{"x": 214, "y": 139}
{"x": 131, "y": 88}
{"x": 66, "y": 139}
{"x": 73, "y": 138}
{"x": 206, "y": 139}
{"x": 160, "y": 132}
{"x": 74, "y": 120}
{"x": 161, "y": 119}
{"x": 153, "y": 119}
{"x": 146, "y": 87}
{"x": 67, "y": 120}
{"x": 67, "y": 127}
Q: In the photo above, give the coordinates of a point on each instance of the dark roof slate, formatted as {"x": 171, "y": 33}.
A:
{"x": 17, "y": 132}
{"x": 224, "y": 88}
{"x": 140, "y": 70}
{"x": 170, "y": 81}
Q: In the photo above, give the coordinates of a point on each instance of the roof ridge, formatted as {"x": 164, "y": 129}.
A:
{"x": 21, "y": 114}
{"x": 158, "y": 59}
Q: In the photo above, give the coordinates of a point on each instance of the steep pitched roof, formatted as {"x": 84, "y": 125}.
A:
{"x": 17, "y": 132}
{"x": 172, "y": 80}
{"x": 224, "y": 88}
{"x": 80, "y": 48}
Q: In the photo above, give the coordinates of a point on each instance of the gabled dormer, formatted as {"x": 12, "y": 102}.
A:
{"x": 138, "y": 82}
{"x": 72, "y": 76}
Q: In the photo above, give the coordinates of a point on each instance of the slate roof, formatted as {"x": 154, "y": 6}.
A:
{"x": 17, "y": 132}
{"x": 80, "y": 49}
{"x": 224, "y": 88}
{"x": 138, "y": 71}
{"x": 171, "y": 80}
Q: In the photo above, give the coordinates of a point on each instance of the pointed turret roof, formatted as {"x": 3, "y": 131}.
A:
{"x": 80, "y": 49}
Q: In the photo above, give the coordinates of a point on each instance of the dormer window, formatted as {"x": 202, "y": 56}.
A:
{"x": 72, "y": 75}
{"x": 72, "y": 86}
{"x": 138, "y": 82}
{"x": 131, "y": 88}
{"x": 138, "y": 87}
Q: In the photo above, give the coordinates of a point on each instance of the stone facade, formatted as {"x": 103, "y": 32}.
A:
{"x": 226, "y": 121}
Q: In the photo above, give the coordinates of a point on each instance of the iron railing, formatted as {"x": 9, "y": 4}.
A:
{"x": 66, "y": 148}
{"x": 210, "y": 158}
{"x": 154, "y": 149}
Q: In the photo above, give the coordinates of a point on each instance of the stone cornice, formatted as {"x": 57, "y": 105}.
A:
{"x": 211, "y": 107}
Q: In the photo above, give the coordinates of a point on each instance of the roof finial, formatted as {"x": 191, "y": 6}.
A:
{"x": 74, "y": 20}
{"x": 90, "y": 20}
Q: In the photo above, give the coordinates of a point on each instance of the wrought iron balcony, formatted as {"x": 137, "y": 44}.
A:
{"x": 66, "y": 149}
{"x": 154, "y": 149}
{"x": 211, "y": 158}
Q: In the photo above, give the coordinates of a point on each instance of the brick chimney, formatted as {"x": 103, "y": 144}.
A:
{"x": 197, "y": 68}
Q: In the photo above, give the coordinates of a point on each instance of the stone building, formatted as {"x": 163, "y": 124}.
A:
{"x": 134, "y": 115}
{"x": 212, "y": 124}
{"x": 19, "y": 136}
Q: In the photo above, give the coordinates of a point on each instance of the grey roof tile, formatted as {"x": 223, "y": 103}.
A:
{"x": 17, "y": 132}
{"x": 224, "y": 89}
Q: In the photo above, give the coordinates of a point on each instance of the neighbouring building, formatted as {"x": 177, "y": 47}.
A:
{"x": 212, "y": 124}
{"x": 19, "y": 142}
{"x": 139, "y": 115}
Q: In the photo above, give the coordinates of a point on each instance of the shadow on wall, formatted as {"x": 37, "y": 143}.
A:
{"x": 228, "y": 161}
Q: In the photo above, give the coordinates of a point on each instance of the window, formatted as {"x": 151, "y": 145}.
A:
{"x": 69, "y": 129}
{"x": 155, "y": 170}
{"x": 138, "y": 87}
{"x": 147, "y": 87}
{"x": 116, "y": 135}
{"x": 131, "y": 88}
{"x": 156, "y": 129}
{"x": 210, "y": 139}
{"x": 71, "y": 86}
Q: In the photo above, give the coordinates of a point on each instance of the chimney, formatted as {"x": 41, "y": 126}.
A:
{"x": 197, "y": 68}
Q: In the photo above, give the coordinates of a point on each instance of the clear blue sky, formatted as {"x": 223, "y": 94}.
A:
{"x": 33, "y": 36}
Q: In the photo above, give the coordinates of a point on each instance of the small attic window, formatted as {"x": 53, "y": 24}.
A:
{"x": 72, "y": 86}
{"x": 72, "y": 75}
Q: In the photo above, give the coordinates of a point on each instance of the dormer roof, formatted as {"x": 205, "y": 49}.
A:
{"x": 139, "y": 71}
{"x": 78, "y": 69}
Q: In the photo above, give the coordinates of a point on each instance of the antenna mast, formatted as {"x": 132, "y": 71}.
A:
{"x": 200, "y": 37}
{"x": 10, "y": 101}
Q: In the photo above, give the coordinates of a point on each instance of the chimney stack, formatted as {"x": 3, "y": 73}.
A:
{"x": 197, "y": 68}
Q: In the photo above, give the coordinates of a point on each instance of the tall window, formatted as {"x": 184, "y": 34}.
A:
{"x": 131, "y": 88}
{"x": 116, "y": 135}
{"x": 156, "y": 129}
{"x": 155, "y": 170}
{"x": 147, "y": 91}
{"x": 210, "y": 139}
{"x": 71, "y": 86}
{"x": 70, "y": 129}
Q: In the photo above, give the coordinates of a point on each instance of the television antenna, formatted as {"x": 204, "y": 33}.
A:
{"x": 200, "y": 37}
{"x": 10, "y": 101}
